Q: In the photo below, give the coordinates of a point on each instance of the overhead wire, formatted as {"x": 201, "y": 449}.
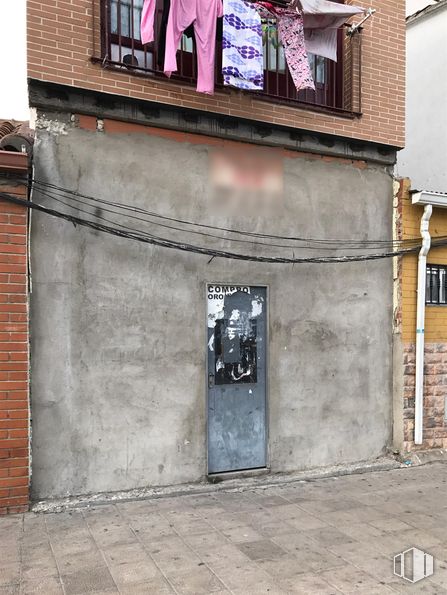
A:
{"x": 186, "y": 247}
{"x": 335, "y": 242}
{"x": 55, "y": 195}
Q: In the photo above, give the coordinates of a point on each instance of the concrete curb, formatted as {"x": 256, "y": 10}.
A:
{"x": 239, "y": 484}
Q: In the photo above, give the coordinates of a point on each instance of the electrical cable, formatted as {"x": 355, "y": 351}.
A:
{"x": 346, "y": 243}
{"x": 201, "y": 233}
{"x": 164, "y": 242}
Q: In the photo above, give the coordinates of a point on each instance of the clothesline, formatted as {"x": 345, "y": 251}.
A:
{"x": 304, "y": 26}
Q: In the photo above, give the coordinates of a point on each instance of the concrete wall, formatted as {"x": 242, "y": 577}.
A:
{"x": 118, "y": 328}
{"x": 425, "y": 155}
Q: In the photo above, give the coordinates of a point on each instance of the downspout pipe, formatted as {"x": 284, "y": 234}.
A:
{"x": 420, "y": 325}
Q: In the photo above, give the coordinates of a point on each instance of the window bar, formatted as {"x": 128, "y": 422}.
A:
{"x": 427, "y": 286}
{"x": 442, "y": 277}
{"x": 193, "y": 70}
{"x": 359, "y": 108}
{"x": 132, "y": 33}
{"x": 267, "y": 64}
{"x": 277, "y": 69}
{"x": 435, "y": 294}
{"x": 118, "y": 16}
{"x": 182, "y": 56}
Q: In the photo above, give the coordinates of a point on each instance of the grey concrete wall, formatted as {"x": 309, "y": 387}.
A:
{"x": 118, "y": 328}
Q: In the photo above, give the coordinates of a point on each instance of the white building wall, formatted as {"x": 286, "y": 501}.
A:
{"x": 424, "y": 159}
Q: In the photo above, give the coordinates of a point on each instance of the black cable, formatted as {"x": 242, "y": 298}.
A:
{"x": 140, "y": 210}
{"x": 158, "y": 241}
{"x": 201, "y": 233}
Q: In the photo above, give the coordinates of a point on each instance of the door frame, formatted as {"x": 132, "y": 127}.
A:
{"x": 267, "y": 376}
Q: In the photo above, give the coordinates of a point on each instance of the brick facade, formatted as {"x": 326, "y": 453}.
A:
{"x": 14, "y": 356}
{"x": 64, "y": 36}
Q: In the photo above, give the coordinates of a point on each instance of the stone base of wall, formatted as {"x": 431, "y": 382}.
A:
{"x": 435, "y": 393}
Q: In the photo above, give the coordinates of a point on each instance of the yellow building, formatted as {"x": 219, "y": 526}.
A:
{"x": 434, "y": 421}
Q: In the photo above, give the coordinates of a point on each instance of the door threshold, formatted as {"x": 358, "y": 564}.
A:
{"x": 226, "y": 475}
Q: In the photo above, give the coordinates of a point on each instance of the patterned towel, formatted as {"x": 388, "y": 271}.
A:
{"x": 242, "y": 54}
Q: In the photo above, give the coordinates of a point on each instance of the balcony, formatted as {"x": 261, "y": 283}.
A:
{"x": 337, "y": 84}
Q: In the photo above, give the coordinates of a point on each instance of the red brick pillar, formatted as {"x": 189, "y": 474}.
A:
{"x": 14, "y": 350}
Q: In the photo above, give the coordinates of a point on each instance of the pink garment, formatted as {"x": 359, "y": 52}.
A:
{"x": 291, "y": 33}
{"x": 203, "y": 13}
{"x": 147, "y": 21}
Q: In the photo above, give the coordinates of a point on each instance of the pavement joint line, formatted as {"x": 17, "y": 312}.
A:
{"x": 195, "y": 551}
{"x": 100, "y": 550}
{"x": 143, "y": 545}
{"x": 59, "y": 574}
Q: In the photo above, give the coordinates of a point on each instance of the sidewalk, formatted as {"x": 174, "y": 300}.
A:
{"x": 325, "y": 536}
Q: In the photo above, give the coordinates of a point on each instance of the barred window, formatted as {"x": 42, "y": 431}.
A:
{"x": 436, "y": 290}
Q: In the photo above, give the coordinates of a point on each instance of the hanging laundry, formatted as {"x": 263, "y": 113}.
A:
{"x": 322, "y": 19}
{"x": 242, "y": 52}
{"x": 203, "y": 14}
{"x": 291, "y": 33}
{"x": 161, "y": 45}
{"x": 147, "y": 21}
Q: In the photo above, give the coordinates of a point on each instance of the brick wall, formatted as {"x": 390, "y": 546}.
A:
{"x": 63, "y": 35}
{"x": 14, "y": 359}
{"x": 435, "y": 393}
{"x": 435, "y": 368}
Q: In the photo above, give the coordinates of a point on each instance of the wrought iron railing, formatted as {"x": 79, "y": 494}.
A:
{"x": 337, "y": 84}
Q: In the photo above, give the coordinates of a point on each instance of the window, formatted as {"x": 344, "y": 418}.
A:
{"x": 337, "y": 84}
{"x": 436, "y": 289}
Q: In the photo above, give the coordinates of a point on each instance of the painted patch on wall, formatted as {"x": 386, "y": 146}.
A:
{"x": 247, "y": 180}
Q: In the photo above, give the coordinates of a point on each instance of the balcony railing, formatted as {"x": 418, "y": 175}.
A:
{"x": 337, "y": 84}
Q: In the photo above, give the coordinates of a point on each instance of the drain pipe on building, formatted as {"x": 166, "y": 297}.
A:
{"x": 420, "y": 324}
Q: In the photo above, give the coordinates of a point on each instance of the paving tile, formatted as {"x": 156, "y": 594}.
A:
{"x": 88, "y": 560}
{"x": 126, "y": 552}
{"x": 241, "y": 534}
{"x": 307, "y": 583}
{"x": 359, "y": 531}
{"x": 46, "y": 586}
{"x": 200, "y": 581}
{"x": 349, "y": 579}
{"x": 286, "y": 566}
{"x": 269, "y": 501}
{"x": 134, "y": 572}
{"x": 328, "y": 536}
{"x": 9, "y": 572}
{"x": 195, "y": 527}
{"x": 242, "y": 578}
{"x": 10, "y": 589}
{"x": 9, "y": 554}
{"x": 330, "y": 505}
{"x": 227, "y": 556}
{"x": 424, "y": 587}
{"x": 156, "y": 586}
{"x": 303, "y": 521}
{"x": 87, "y": 581}
{"x": 390, "y": 525}
{"x": 205, "y": 541}
{"x": 264, "y": 549}
{"x": 170, "y": 555}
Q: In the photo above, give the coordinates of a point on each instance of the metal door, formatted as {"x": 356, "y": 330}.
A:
{"x": 237, "y": 347}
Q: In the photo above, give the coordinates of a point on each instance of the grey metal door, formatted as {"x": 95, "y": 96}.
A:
{"x": 237, "y": 346}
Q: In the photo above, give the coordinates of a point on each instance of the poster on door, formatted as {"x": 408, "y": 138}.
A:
{"x": 233, "y": 311}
